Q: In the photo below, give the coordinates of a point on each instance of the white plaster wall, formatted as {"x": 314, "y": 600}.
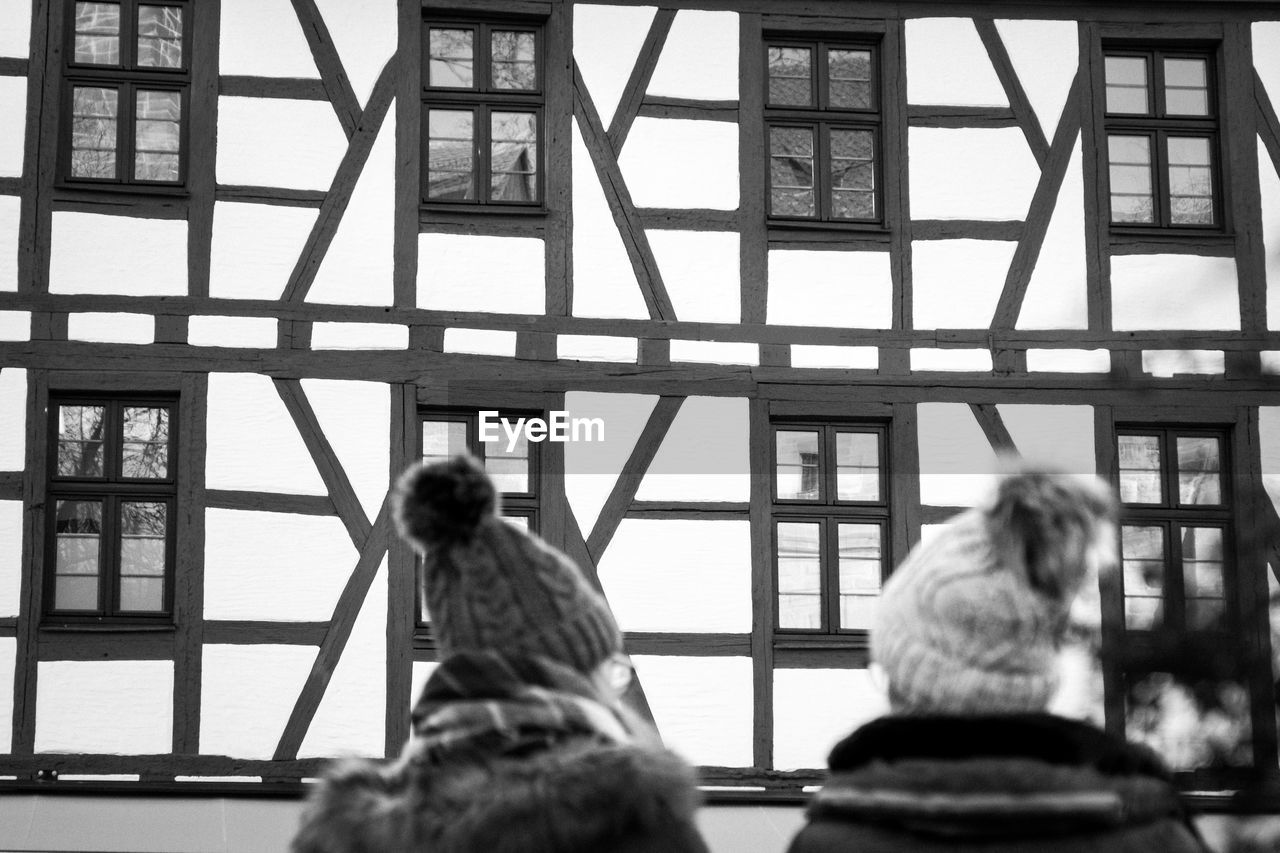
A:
{"x": 824, "y": 288}
{"x": 1045, "y": 55}
{"x": 1266, "y": 56}
{"x": 357, "y": 268}
{"x": 15, "y": 325}
{"x": 715, "y": 352}
{"x": 959, "y": 360}
{"x": 13, "y": 418}
{"x": 480, "y": 342}
{"x": 274, "y": 565}
{"x": 356, "y": 419}
{"x": 1269, "y": 450}
{"x": 365, "y": 35}
{"x": 8, "y": 664}
{"x": 1058, "y": 436}
{"x": 679, "y": 575}
{"x": 852, "y": 358}
{"x": 95, "y": 253}
{"x": 120, "y": 707}
{"x": 956, "y": 284}
{"x": 606, "y": 41}
{"x": 948, "y": 64}
{"x": 118, "y": 327}
{"x": 216, "y": 331}
{"x": 459, "y": 272}
{"x": 813, "y": 709}
{"x": 274, "y": 142}
{"x": 263, "y": 38}
{"x": 13, "y": 103}
{"x": 1068, "y": 360}
{"x": 701, "y": 273}
{"x": 1057, "y": 294}
{"x": 246, "y": 696}
{"x": 10, "y": 559}
{"x": 1167, "y": 362}
{"x": 1269, "y": 184}
{"x": 16, "y": 35}
{"x": 957, "y": 464}
{"x": 604, "y": 282}
{"x": 670, "y": 162}
{"x": 359, "y": 336}
{"x": 699, "y": 58}
{"x": 255, "y": 248}
{"x": 1174, "y": 292}
{"x": 597, "y": 348}
{"x": 704, "y": 456}
{"x": 252, "y": 441}
{"x": 702, "y": 705}
{"x": 10, "y": 208}
{"x": 592, "y": 467}
{"x": 352, "y": 717}
{"x": 970, "y": 173}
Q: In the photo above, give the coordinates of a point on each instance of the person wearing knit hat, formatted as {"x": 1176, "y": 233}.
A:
{"x": 967, "y": 636}
{"x": 520, "y": 739}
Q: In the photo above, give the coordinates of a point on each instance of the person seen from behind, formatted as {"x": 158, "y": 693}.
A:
{"x": 520, "y": 741}
{"x": 967, "y": 637}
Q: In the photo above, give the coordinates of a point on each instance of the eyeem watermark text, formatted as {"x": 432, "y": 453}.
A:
{"x": 559, "y": 426}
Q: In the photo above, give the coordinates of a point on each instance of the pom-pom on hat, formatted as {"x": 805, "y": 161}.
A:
{"x": 490, "y": 585}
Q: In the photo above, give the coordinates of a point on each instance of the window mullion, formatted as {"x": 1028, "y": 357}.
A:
{"x": 830, "y": 577}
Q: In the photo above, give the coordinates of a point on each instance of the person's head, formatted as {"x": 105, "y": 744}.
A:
{"x": 972, "y": 620}
{"x": 491, "y": 586}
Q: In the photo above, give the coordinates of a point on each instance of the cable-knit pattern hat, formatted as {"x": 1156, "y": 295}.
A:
{"x": 490, "y": 585}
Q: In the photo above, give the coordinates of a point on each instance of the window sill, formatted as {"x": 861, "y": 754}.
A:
{"x": 146, "y": 190}
{"x": 67, "y": 626}
{"x": 779, "y": 230}
{"x": 1135, "y": 241}
{"x": 427, "y": 208}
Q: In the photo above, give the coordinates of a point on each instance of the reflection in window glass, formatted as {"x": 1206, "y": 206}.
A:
{"x": 513, "y": 63}
{"x": 799, "y": 472}
{"x": 791, "y": 172}
{"x": 78, "y": 534}
{"x": 857, "y": 466}
{"x": 1127, "y": 85}
{"x": 1190, "y": 181}
{"x": 451, "y": 154}
{"x": 94, "y": 128}
{"x": 1140, "y": 469}
{"x": 451, "y": 59}
{"x": 853, "y": 174}
{"x": 97, "y": 33}
{"x": 143, "y": 530}
{"x": 1202, "y": 573}
{"x": 860, "y": 570}
{"x": 1186, "y": 87}
{"x": 513, "y": 158}
{"x": 146, "y": 443}
{"x": 1199, "y": 470}
{"x": 790, "y": 76}
{"x": 1143, "y": 551}
{"x": 160, "y": 36}
{"x": 799, "y": 575}
{"x": 157, "y": 135}
{"x": 1130, "y": 171}
{"x": 849, "y": 79}
{"x": 443, "y": 439}
{"x": 508, "y": 468}
{"x": 81, "y": 432}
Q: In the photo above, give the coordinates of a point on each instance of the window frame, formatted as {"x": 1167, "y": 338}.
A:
{"x": 111, "y": 489}
{"x": 127, "y": 77}
{"x": 482, "y": 100}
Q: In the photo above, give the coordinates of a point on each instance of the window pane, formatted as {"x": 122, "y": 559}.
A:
{"x": 849, "y": 79}
{"x": 442, "y": 439}
{"x": 1140, "y": 469}
{"x": 146, "y": 443}
{"x": 93, "y": 131}
{"x": 1202, "y": 573}
{"x": 451, "y": 62}
{"x": 1143, "y": 556}
{"x": 1127, "y": 85}
{"x": 1190, "y": 181}
{"x": 1199, "y": 470}
{"x": 857, "y": 466}
{"x": 513, "y": 156}
{"x": 143, "y": 525}
{"x": 509, "y": 469}
{"x": 521, "y": 521}
{"x": 790, "y": 76}
{"x": 799, "y": 575}
{"x": 514, "y": 65}
{"x": 1186, "y": 87}
{"x": 799, "y": 476}
{"x": 860, "y": 570}
{"x": 853, "y": 174}
{"x": 1131, "y": 199}
{"x": 98, "y": 33}
{"x": 78, "y": 535}
{"x": 80, "y": 441}
{"x": 157, "y": 135}
{"x": 791, "y": 171}
{"x": 450, "y": 157}
{"x": 160, "y": 36}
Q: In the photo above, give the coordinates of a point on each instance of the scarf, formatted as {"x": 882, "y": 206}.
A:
{"x": 489, "y": 703}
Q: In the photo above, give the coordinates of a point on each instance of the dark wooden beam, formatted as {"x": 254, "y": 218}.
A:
{"x": 993, "y": 427}
{"x": 332, "y": 75}
{"x": 689, "y": 108}
{"x": 967, "y": 229}
{"x": 641, "y": 74}
{"x": 688, "y": 219}
{"x": 270, "y": 195}
{"x": 759, "y": 440}
{"x": 1268, "y": 123}
{"x": 11, "y": 485}
{"x": 752, "y": 227}
{"x": 1018, "y": 100}
{"x": 13, "y": 67}
{"x": 250, "y": 633}
{"x": 688, "y": 509}
{"x": 941, "y": 116}
{"x": 697, "y": 645}
{"x": 292, "y": 88}
{"x": 189, "y": 570}
{"x": 270, "y": 502}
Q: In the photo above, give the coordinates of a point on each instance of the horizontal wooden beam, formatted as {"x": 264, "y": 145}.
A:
{"x": 971, "y": 229}
{"x": 93, "y": 645}
{"x": 270, "y": 195}
{"x": 688, "y": 509}
{"x": 270, "y": 502}
{"x": 243, "y": 632}
{"x": 13, "y": 67}
{"x": 10, "y": 485}
{"x": 930, "y": 116}
{"x": 688, "y": 219}
{"x": 297, "y": 88}
{"x": 688, "y": 108}
{"x": 686, "y": 644}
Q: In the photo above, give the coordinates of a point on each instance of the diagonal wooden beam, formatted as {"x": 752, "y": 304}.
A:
{"x": 624, "y": 490}
{"x": 332, "y": 75}
{"x": 344, "y": 184}
{"x": 335, "y": 638}
{"x": 343, "y": 495}
{"x": 641, "y": 74}
{"x": 629, "y": 224}
{"x": 1040, "y": 213}
{"x": 1268, "y": 123}
{"x": 1018, "y": 100}
{"x": 993, "y": 427}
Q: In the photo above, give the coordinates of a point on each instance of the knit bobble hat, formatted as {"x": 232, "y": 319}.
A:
{"x": 490, "y": 585}
{"x": 972, "y": 620}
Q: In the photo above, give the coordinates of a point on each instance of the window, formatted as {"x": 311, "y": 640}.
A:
{"x": 830, "y": 514}
{"x": 1162, "y": 138}
{"x": 822, "y": 116}
{"x": 127, "y": 79}
{"x": 482, "y": 102}
{"x": 111, "y": 497}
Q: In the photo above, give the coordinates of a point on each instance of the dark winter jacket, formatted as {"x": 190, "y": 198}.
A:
{"x": 508, "y": 767}
{"x": 1029, "y": 782}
